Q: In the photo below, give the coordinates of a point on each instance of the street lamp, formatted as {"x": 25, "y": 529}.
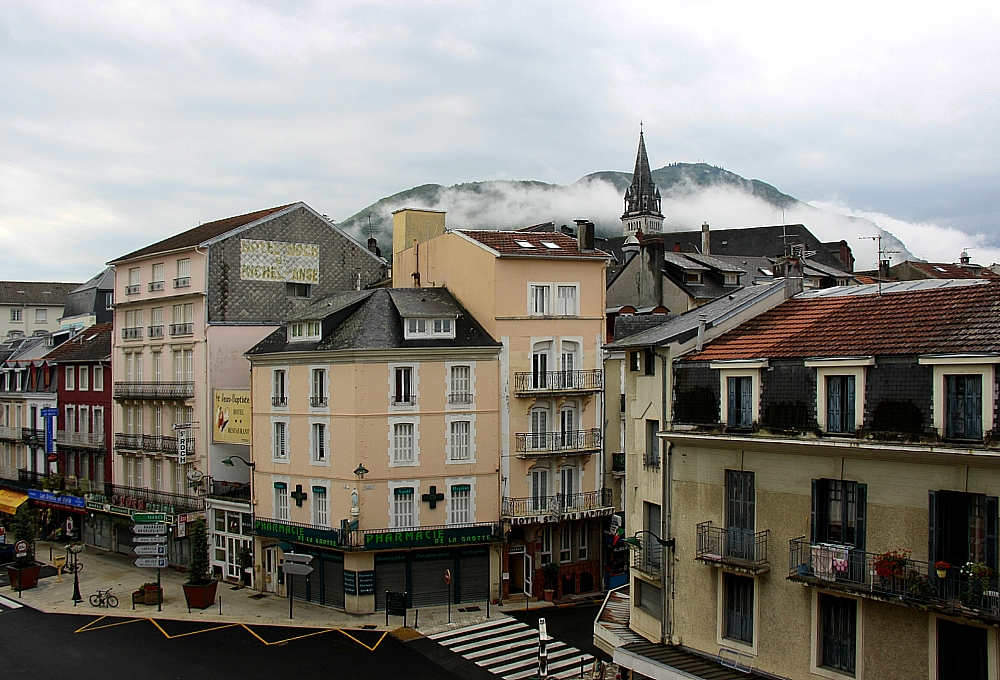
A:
{"x": 360, "y": 471}
{"x": 75, "y": 549}
{"x": 634, "y": 542}
{"x": 228, "y": 462}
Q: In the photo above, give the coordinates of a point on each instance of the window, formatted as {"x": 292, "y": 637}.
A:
{"x": 583, "y": 547}
{"x": 737, "y": 602}
{"x": 740, "y": 413}
{"x": 402, "y": 507}
{"x": 280, "y": 441}
{"x": 539, "y": 300}
{"x": 652, "y": 522}
{"x": 732, "y": 279}
{"x": 184, "y": 365}
{"x": 539, "y": 489}
{"x": 296, "y": 331}
{"x": 633, "y": 362}
{"x": 84, "y": 421}
{"x": 692, "y": 277}
{"x": 566, "y": 543}
{"x": 963, "y": 528}
{"x": 15, "y": 314}
{"x": 649, "y": 361}
{"x": 183, "y": 268}
{"x": 964, "y": 407}
{"x": 70, "y": 419}
{"x": 566, "y": 301}
{"x": 156, "y": 322}
{"x": 98, "y": 378}
{"x": 962, "y": 651}
{"x": 109, "y": 301}
{"x": 442, "y": 326}
{"x": 460, "y": 385}
{"x": 838, "y": 621}
{"x": 98, "y": 420}
{"x": 281, "y": 501}
{"x": 650, "y": 599}
{"x": 840, "y": 394}
{"x": 183, "y": 319}
{"x": 157, "y": 366}
{"x": 298, "y": 290}
{"x": 321, "y": 507}
{"x": 278, "y": 396}
{"x": 545, "y": 554}
{"x": 84, "y": 383}
{"x": 133, "y": 281}
{"x": 461, "y": 505}
{"x": 158, "y": 420}
{"x": 652, "y": 444}
{"x": 313, "y": 329}
{"x": 459, "y": 440}
{"x": 319, "y": 442}
{"x": 318, "y": 397}
{"x": 838, "y": 514}
{"x": 158, "y": 274}
{"x": 158, "y": 475}
{"x": 539, "y": 368}
{"x": 71, "y": 377}
{"x": 402, "y": 444}
{"x": 41, "y": 316}
{"x": 539, "y": 429}
{"x": 403, "y": 393}
{"x": 416, "y": 327}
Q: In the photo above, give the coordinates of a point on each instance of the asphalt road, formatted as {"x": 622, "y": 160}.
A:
{"x": 572, "y": 625}
{"x": 36, "y": 646}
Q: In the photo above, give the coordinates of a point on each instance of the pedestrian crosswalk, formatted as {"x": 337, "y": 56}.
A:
{"x": 509, "y": 648}
{"x": 6, "y": 604}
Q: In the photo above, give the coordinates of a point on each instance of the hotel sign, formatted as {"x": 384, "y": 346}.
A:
{"x": 231, "y": 424}
{"x": 279, "y": 261}
{"x": 322, "y": 538}
{"x": 418, "y": 538}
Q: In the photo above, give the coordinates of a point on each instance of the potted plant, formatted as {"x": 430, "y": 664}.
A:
{"x": 941, "y": 568}
{"x": 199, "y": 591}
{"x": 23, "y": 574}
{"x": 151, "y": 593}
{"x": 244, "y": 558}
{"x": 551, "y": 572}
{"x": 891, "y": 564}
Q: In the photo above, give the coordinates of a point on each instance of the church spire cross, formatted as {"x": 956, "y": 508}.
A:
{"x": 642, "y": 198}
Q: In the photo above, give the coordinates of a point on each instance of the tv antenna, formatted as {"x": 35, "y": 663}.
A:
{"x": 371, "y": 227}
{"x": 884, "y": 255}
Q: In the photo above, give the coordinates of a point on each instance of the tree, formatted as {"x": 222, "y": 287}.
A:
{"x": 24, "y": 530}
{"x": 198, "y": 568}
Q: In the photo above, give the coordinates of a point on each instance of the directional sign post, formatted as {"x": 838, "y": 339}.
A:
{"x": 182, "y": 447}
{"x": 295, "y": 564}
{"x": 158, "y": 550}
{"x": 149, "y": 517}
{"x": 150, "y": 532}
{"x": 152, "y": 563}
{"x": 149, "y": 539}
{"x": 149, "y": 529}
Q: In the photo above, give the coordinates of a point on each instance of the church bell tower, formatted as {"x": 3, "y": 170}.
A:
{"x": 642, "y": 198}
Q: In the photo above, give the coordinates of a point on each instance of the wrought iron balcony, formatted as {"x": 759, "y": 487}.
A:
{"x": 10, "y": 433}
{"x": 618, "y": 463}
{"x": 318, "y": 401}
{"x": 132, "y": 290}
{"x": 155, "y": 285}
{"x": 560, "y": 506}
{"x": 229, "y": 491}
{"x": 155, "y": 331}
{"x": 546, "y": 443}
{"x": 649, "y": 560}
{"x": 132, "y": 333}
{"x": 279, "y": 401}
{"x": 558, "y": 382}
{"x": 32, "y": 435}
{"x": 736, "y": 549}
{"x": 893, "y": 578}
{"x": 154, "y": 390}
{"x": 404, "y": 400}
{"x": 89, "y": 440}
{"x": 182, "y": 282}
{"x": 150, "y": 443}
{"x": 181, "y": 329}
{"x": 145, "y": 499}
{"x": 460, "y": 398}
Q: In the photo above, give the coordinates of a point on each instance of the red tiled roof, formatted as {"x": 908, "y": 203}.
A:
{"x": 864, "y": 279}
{"x": 90, "y": 344}
{"x": 199, "y": 234}
{"x": 943, "y": 270}
{"x": 505, "y": 243}
{"x": 942, "y": 320}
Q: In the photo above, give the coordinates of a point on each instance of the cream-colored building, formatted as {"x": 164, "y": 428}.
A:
{"x": 375, "y": 439}
{"x": 542, "y": 296}
{"x": 831, "y": 508}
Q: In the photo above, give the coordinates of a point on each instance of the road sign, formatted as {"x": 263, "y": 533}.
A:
{"x": 158, "y": 550}
{"x": 50, "y": 433}
{"x": 151, "y": 562}
{"x": 296, "y": 568}
{"x": 149, "y": 539}
{"x": 50, "y": 412}
{"x": 183, "y": 426}
{"x": 447, "y": 576}
{"x": 147, "y": 517}
{"x": 149, "y": 529}
{"x": 296, "y": 557}
{"x": 182, "y": 447}
{"x": 395, "y": 604}
{"x": 21, "y": 549}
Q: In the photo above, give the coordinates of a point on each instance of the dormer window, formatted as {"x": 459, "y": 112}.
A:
{"x": 692, "y": 277}
{"x": 302, "y": 331}
{"x": 732, "y": 279}
{"x": 429, "y": 328}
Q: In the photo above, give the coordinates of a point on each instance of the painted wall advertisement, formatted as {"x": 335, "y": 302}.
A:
{"x": 231, "y": 424}
{"x": 279, "y": 261}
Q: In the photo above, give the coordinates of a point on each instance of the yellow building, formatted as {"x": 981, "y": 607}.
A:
{"x": 541, "y": 295}
{"x": 375, "y": 438}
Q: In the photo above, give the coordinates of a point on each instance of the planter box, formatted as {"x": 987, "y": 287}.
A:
{"x": 153, "y": 596}
{"x": 25, "y": 577}
{"x": 200, "y": 596}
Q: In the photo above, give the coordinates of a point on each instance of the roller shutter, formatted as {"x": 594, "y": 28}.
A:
{"x": 333, "y": 580}
{"x": 427, "y": 577}
{"x": 301, "y": 586}
{"x": 474, "y": 575}
{"x": 390, "y": 575}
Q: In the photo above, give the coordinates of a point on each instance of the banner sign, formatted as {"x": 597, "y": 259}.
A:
{"x": 279, "y": 261}
{"x": 416, "y": 538}
{"x": 326, "y": 538}
{"x": 231, "y": 424}
{"x": 59, "y": 501}
{"x": 182, "y": 447}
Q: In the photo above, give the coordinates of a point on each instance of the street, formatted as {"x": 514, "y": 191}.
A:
{"x": 572, "y": 625}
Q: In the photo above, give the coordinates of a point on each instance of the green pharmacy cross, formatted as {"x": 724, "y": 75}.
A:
{"x": 433, "y": 497}
{"x": 299, "y": 495}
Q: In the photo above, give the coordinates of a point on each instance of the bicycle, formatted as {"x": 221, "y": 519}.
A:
{"x": 103, "y": 598}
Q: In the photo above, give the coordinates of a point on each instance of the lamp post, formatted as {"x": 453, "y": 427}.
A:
{"x": 228, "y": 462}
{"x": 75, "y": 549}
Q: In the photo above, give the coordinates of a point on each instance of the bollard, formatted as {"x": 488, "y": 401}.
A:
{"x": 416, "y": 620}
{"x": 220, "y": 605}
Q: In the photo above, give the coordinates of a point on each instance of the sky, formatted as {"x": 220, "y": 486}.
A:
{"x": 122, "y": 123}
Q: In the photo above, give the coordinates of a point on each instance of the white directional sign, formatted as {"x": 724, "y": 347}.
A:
{"x": 296, "y": 557}
{"x": 151, "y": 562}
{"x": 159, "y": 550}
{"x": 149, "y": 539}
{"x": 296, "y": 568}
{"x": 149, "y": 529}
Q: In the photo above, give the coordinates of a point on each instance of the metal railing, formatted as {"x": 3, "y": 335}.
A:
{"x": 152, "y": 443}
{"x": 10, "y": 433}
{"x": 132, "y": 333}
{"x": 559, "y": 381}
{"x": 460, "y": 398}
{"x": 33, "y": 435}
{"x": 181, "y": 329}
{"x": 145, "y": 499}
{"x": 155, "y": 285}
{"x": 132, "y": 290}
{"x": 279, "y": 401}
{"x": 650, "y": 558}
{"x": 557, "y": 442}
{"x": 651, "y": 461}
{"x": 317, "y": 401}
{"x": 733, "y": 547}
{"x": 182, "y": 282}
{"x": 233, "y": 491}
{"x": 154, "y": 390}
{"x": 155, "y": 331}
{"x": 560, "y": 504}
{"x": 84, "y": 439}
{"x": 618, "y": 462}
{"x": 408, "y": 400}
{"x": 893, "y": 578}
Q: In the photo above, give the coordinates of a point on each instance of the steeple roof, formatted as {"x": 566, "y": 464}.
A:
{"x": 642, "y": 186}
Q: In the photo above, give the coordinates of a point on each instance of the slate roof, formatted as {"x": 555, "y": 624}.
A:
{"x": 630, "y": 324}
{"x": 505, "y": 243}
{"x": 34, "y": 292}
{"x": 104, "y": 280}
{"x": 90, "y": 344}
{"x": 950, "y": 317}
{"x": 373, "y": 321}
{"x": 203, "y": 232}
{"x": 322, "y": 308}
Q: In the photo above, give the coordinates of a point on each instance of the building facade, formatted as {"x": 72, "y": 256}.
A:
{"x": 30, "y": 308}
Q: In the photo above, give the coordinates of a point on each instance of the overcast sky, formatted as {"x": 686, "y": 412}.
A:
{"x": 124, "y": 122}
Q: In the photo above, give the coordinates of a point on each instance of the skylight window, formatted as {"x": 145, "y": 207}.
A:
{"x": 767, "y": 272}
{"x": 941, "y": 269}
{"x": 524, "y": 244}
{"x": 550, "y": 245}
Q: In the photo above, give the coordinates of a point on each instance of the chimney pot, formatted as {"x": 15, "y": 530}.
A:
{"x": 585, "y": 235}
{"x": 706, "y": 239}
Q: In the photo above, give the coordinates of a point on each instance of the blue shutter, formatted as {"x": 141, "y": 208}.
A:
{"x": 950, "y": 429}
{"x": 820, "y": 507}
{"x": 848, "y": 413}
{"x": 732, "y": 417}
{"x": 991, "y": 532}
{"x": 833, "y": 415}
{"x": 933, "y": 529}
{"x": 974, "y": 407}
{"x": 860, "y": 516}
{"x": 746, "y": 402}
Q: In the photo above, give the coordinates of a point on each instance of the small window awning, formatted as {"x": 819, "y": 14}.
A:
{"x": 10, "y": 501}
{"x": 668, "y": 662}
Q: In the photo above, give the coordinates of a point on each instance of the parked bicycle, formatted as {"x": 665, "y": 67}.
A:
{"x": 103, "y": 598}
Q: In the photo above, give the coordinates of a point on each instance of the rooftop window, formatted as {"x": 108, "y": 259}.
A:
{"x": 304, "y": 331}
{"x": 524, "y": 244}
{"x": 550, "y": 245}
{"x": 428, "y": 328}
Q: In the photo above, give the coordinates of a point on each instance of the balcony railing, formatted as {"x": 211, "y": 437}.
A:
{"x": 145, "y": 499}
{"x": 151, "y": 443}
{"x": 558, "y": 381}
{"x": 155, "y": 331}
{"x": 405, "y": 400}
{"x": 10, "y": 433}
{"x": 618, "y": 462}
{"x": 182, "y": 282}
{"x": 649, "y": 559}
{"x": 229, "y": 491}
{"x": 132, "y": 333}
{"x": 554, "y": 507}
{"x": 181, "y": 329}
{"x": 317, "y": 401}
{"x": 155, "y": 285}
{"x": 90, "y": 440}
{"x": 30, "y": 479}
{"x": 154, "y": 390}
{"x": 895, "y": 580}
{"x": 279, "y": 401}
{"x": 460, "y": 398}
{"x": 542, "y": 443}
{"x": 734, "y": 548}
{"x": 32, "y": 435}
{"x": 132, "y": 290}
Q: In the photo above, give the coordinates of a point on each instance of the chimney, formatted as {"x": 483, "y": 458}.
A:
{"x": 706, "y": 240}
{"x": 883, "y": 269}
{"x": 585, "y": 235}
{"x": 373, "y": 246}
{"x": 677, "y": 246}
{"x": 702, "y": 319}
{"x": 651, "y": 272}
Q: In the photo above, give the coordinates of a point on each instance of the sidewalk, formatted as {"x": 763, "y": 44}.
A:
{"x": 103, "y": 570}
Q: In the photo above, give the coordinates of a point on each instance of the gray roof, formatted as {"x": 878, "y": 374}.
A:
{"x": 895, "y": 287}
{"x": 424, "y": 302}
{"x": 103, "y": 281}
{"x": 715, "y": 263}
{"x": 680, "y": 260}
{"x": 686, "y": 325}
{"x": 326, "y": 306}
{"x": 630, "y": 324}
{"x": 34, "y": 292}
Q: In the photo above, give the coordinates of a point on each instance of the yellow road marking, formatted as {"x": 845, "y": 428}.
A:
{"x": 90, "y": 626}
{"x": 370, "y": 649}
{"x": 193, "y": 632}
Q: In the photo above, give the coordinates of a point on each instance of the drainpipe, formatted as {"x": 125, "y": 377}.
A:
{"x": 666, "y": 565}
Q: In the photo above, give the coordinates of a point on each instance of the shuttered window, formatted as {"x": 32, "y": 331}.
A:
{"x": 840, "y": 394}
{"x": 740, "y": 402}
{"x": 737, "y": 598}
{"x": 964, "y": 403}
{"x": 839, "y": 511}
{"x": 839, "y": 632}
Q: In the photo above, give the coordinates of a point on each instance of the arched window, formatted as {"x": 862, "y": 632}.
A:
{"x": 540, "y": 365}
{"x": 569, "y": 363}
{"x": 540, "y": 424}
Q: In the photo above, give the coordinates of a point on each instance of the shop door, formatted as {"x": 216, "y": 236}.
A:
{"x": 427, "y": 578}
{"x": 333, "y": 580}
{"x": 390, "y": 576}
{"x": 962, "y": 652}
{"x": 270, "y": 569}
{"x": 515, "y": 569}
{"x": 474, "y": 575}
{"x": 233, "y": 547}
{"x": 123, "y": 534}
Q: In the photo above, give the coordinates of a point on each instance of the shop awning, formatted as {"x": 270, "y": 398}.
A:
{"x": 11, "y": 500}
{"x": 668, "y": 662}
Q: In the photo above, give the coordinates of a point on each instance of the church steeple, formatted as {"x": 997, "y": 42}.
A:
{"x": 642, "y": 198}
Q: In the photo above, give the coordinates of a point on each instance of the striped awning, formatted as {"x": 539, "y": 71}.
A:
{"x": 11, "y": 500}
